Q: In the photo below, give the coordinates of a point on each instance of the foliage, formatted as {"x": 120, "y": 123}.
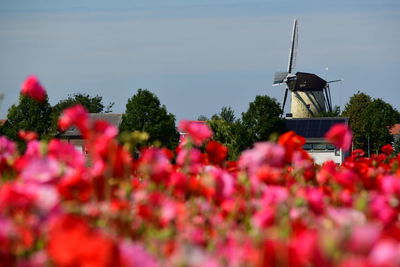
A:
{"x": 370, "y": 120}
{"x": 93, "y": 104}
{"x": 381, "y": 118}
{"x": 335, "y": 112}
{"x": 260, "y": 121}
{"x": 30, "y": 115}
{"x": 144, "y": 113}
{"x": 226, "y": 128}
{"x": 227, "y": 114}
{"x": 355, "y": 110}
{"x": 202, "y": 118}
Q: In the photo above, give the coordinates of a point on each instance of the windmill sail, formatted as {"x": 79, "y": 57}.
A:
{"x": 293, "y": 48}
{"x": 279, "y": 78}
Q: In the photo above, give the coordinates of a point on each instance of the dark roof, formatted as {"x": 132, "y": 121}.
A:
{"x": 308, "y": 82}
{"x": 313, "y": 127}
{"x": 113, "y": 118}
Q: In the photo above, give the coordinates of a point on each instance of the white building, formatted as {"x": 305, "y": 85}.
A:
{"x": 314, "y": 130}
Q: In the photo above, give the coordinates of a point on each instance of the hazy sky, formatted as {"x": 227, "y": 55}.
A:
{"x": 196, "y": 56}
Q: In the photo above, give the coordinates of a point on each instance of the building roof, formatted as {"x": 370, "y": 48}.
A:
{"x": 308, "y": 82}
{"x": 395, "y": 130}
{"x": 313, "y": 127}
{"x": 112, "y": 118}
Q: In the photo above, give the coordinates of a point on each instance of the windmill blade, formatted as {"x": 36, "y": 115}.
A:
{"x": 279, "y": 78}
{"x": 284, "y": 100}
{"x": 293, "y": 48}
{"x": 334, "y": 81}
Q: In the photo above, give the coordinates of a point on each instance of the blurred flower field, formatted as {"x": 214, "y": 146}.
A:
{"x": 192, "y": 207}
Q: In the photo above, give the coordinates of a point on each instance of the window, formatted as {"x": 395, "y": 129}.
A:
{"x": 319, "y": 147}
{"x": 307, "y": 147}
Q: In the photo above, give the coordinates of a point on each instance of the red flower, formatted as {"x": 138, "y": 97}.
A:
{"x": 27, "y": 135}
{"x": 216, "y": 152}
{"x": 340, "y": 135}
{"x": 74, "y": 186}
{"x": 73, "y": 243}
{"x": 291, "y": 142}
{"x": 33, "y": 89}
{"x": 387, "y": 149}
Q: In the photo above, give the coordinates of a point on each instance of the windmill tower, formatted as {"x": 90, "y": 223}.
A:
{"x": 310, "y": 94}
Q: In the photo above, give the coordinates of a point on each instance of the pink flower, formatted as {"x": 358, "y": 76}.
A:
{"x": 76, "y": 115}
{"x": 41, "y": 170}
{"x": 7, "y": 148}
{"x": 134, "y": 254}
{"x": 66, "y": 153}
{"x": 155, "y": 165}
{"x": 189, "y": 159}
{"x": 340, "y": 135}
{"x": 363, "y": 238}
{"x": 261, "y": 160}
{"x": 197, "y": 130}
{"x": 315, "y": 199}
{"x": 32, "y": 88}
{"x": 390, "y": 185}
{"x": 385, "y": 253}
{"x": 224, "y": 182}
{"x": 262, "y": 153}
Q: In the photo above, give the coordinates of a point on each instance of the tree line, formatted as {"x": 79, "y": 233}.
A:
{"x": 370, "y": 120}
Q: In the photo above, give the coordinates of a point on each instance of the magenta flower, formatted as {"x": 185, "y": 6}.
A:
{"x": 32, "y": 88}
{"x": 76, "y": 115}
{"x": 198, "y": 131}
{"x": 340, "y": 135}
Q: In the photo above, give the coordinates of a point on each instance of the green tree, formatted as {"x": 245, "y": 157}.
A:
{"x": 380, "y": 118}
{"x": 226, "y": 128}
{"x": 29, "y": 115}
{"x": 145, "y": 113}
{"x": 355, "y": 110}
{"x": 260, "y": 121}
{"x": 227, "y": 114}
{"x": 370, "y": 120}
{"x": 94, "y": 104}
{"x": 335, "y": 112}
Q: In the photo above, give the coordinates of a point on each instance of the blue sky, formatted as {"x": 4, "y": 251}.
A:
{"x": 196, "y": 56}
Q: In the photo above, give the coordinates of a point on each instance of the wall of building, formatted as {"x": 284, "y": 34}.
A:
{"x": 304, "y": 102}
{"x": 321, "y": 156}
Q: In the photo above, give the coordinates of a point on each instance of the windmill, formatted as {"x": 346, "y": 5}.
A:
{"x": 310, "y": 94}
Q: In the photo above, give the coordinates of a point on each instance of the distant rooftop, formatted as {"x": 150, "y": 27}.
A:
{"x": 112, "y": 118}
{"x": 313, "y": 127}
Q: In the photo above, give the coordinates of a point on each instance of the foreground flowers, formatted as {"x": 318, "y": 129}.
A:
{"x": 192, "y": 207}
